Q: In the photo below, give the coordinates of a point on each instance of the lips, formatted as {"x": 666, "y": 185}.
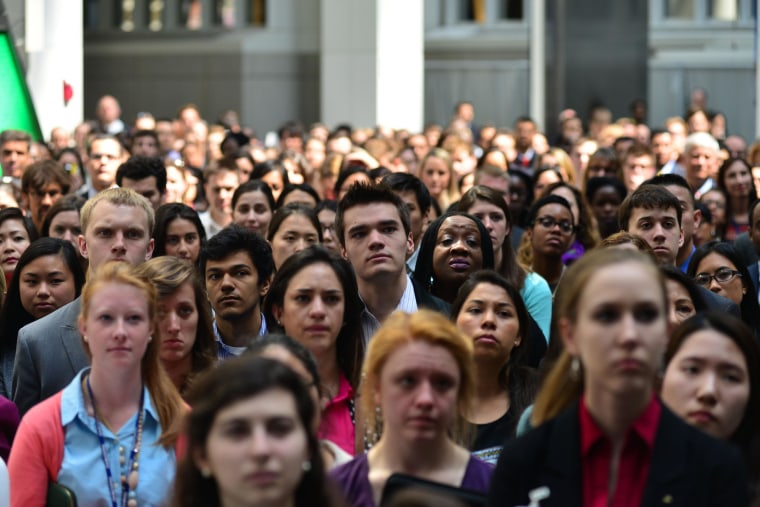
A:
{"x": 630, "y": 365}
{"x": 486, "y": 339}
{"x": 173, "y": 344}
{"x": 263, "y": 478}
{"x": 702, "y": 417}
{"x": 45, "y": 307}
{"x": 10, "y": 260}
{"x": 228, "y": 299}
{"x": 379, "y": 257}
{"x": 317, "y": 329}
{"x": 459, "y": 264}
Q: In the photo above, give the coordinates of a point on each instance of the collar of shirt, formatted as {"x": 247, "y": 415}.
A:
{"x": 225, "y": 351}
{"x": 407, "y": 303}
{"x": 73, "y": 405}
{"x": 645, "y": 426}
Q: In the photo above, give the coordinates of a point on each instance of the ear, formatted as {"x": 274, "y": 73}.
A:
{"x": 680, "y": 238}
{"x": 276, "y": 312}
{"x": 199, "y": 459}
{"x": 409, "y": 244}
{"x": 149, "y": 250}
{"x": 265, "y": 286}
{"x": 507, "y": 231}
{"x": 82, "y": 245}
{"x": 566, "y": 331}
{"x": 697, "y": 218}
{"x": 343, "y": 253}
{"x": 82, "y": 325}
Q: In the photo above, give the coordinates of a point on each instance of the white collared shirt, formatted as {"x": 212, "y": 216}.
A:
{"x": 407, "y": 303}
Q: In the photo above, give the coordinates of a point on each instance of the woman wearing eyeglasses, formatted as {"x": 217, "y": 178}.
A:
{"x": 716, "y": 266}
{"x": 550, "y": 233}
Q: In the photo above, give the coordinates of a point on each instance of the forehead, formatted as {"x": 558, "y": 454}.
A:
{"x": 423, "y": 356}
{"x": 364, "y": 214}
{"x": 711, "y": 343}
{"x": 684, "y": 196}
{"x": 458, "y": 223}
{"x": 181, "y": 225}
{"x": 12, "y": 224}
{"x": 16, "y": 146}
{"x": 224, "y": 178}
{"x": 653, "y": 214}
{"x": 108, "y": 145}
{"x": 714, "y": 259}
{"x": 106, "y": 213}
{"x": 253, "y": 197}
{"x": 149, "y": 182}
{"x": 553, "y": 209}
{"x": 627, "y": 281}
{"x": 481, "y": 206}
{"x": 296, "y": 221}
{"x": 238, "y": 258}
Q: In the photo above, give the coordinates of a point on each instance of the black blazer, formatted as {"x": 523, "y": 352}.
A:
{"x": 688, "y": 469}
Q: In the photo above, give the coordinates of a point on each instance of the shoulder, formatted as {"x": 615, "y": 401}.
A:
{"x": 477, "y": 476}
{"x": 352, "y": 479}
{"x": 429, "y": 301}
{"x": 535, "y": 283}
{"x": 65, "y": 316}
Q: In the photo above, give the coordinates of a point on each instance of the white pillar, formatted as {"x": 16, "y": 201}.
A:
{"x": 56, "y": 55}
{"x": 538, "y": 62}
{"x": 372, "y": 63}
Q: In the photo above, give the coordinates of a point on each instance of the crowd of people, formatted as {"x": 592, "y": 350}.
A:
{"x": 467, "y": 315}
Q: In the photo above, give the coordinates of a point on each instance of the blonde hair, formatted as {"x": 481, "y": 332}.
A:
{"x": 163, "y": 394}
{"x": 451, "y": 194}
{"x": 118, "y": 197}
{"x": 562, "y": 387}
{"x": 422, "y": 326}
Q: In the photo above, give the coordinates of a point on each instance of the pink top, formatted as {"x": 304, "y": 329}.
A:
{"x": 337, "y": 424}
{"x": 36, "y": 454}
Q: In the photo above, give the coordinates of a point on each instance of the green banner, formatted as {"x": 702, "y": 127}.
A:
{"x": 16, "y": 106}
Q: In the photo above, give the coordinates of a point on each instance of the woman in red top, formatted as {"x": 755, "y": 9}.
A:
{"x": 616, "y": 444}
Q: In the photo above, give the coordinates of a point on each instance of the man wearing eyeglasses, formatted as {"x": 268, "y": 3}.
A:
{"x": 104, "y": 156}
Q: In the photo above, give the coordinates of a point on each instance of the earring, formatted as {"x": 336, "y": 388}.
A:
{"x": 306, "y": 465}
{"x": 575, "y": 368}
{"x": 150, "y": 337}
{"x": 84, "y": 338}
{"x": 205, "y": 472}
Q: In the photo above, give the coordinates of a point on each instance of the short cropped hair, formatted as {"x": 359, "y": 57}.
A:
{"x": 647, "y": 196}
{"x": 233, "y": 239}
{"x": 138, "y": 168}
{"x": 118, "y": 197}
{"x": 360, "y": 194}
{"x": 44, "y": 172}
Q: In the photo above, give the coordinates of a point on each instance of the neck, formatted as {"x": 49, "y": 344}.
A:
{"x": 220, "y": 217}
{"x": 382, "y": 294}
{"x": 739, "y": 206}
{"x": 550, "y": 268}
{"x": 487, "y": 381}
{"x": 178, "y": 370}
{"x": 684, "y": 252}
{"x": 329, "y": 372}
{"x": 615, "y": 412}
{"x": 418, "y": 459}
{"x": 497, "y": 256}
{"x": 116, "y": 394}
{"x": 446, "y": 292}
{"x": 237, "y": 332}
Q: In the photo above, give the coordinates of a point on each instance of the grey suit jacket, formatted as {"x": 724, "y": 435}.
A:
{"x": 49, "y": 354}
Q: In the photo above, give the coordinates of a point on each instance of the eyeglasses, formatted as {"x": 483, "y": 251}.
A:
{"x": 723, "y": 275}
{"x": 549, "y": 222}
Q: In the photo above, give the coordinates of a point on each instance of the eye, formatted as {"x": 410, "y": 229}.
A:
{"x": 172, "y": 240}
{"x": 646, "y": 314}
{"x": 237, "y": 430}
{"x": 606, "y": 315}
{"x": 475, "y": 310}
{"x": 191, "y": 238}
{"x": 280, "y": 427}
{"x": 442, "y": 384}
{"x": 186, "y": 311}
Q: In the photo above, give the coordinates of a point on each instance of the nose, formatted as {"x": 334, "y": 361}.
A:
{"x": 629, "y": 332}
{"x": 226, "y": 283}
{"x": 300, "y": 245}
{"x": 172, "y": 322}
{"x": 708, "y": 392}
{"x": 424, "y": 396}
{"x": 715, "y": 286}
{"x": 487, "y": 223}
{"x": 260, "y": 444}
{"x": 47, "y": 199}
{"x": 317, "y": 308}
{"x": 375, "y": 239}
{"x": 118, "y": 240}
{"x": 44, "y": 290}
{"x": 489, "y": 319}
{"x": 68, "y": 236}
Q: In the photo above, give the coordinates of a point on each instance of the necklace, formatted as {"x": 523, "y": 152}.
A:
{"x": 129, "y": 477}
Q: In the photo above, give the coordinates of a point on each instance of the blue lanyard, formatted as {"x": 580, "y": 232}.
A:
{"x": 132, "y": 455}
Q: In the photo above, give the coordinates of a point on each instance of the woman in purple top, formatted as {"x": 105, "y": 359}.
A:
{"x": 418, "y": 388}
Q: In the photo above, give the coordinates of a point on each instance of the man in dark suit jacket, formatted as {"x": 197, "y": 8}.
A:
{"x": 373, "y": 227}
{"x": 688, "y": 468}
{"x": 117, "y": 225}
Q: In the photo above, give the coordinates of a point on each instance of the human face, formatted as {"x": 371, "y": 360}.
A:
{"x": 716, "y": 203}
{"x": 636, "y": 170}
{"x": 552, "y": 241}
{"x": 175, "y": 184}
{"x": 605, "y": 205}
{"x": 116, "y": 233}
{"x": 65, "y": 225}
{"x": 738, "y": 180}
{"x": 40, "y": 200}
{"x": 620, "y": 331}
{"x": 569, "y": 196}
{"x": 312, "y": 308}
{"x": 14, "y": 157}
{"x": 117, "y": 327}
{"x": 255, "y": 450}
{"x": 733, "y": 289}
{"x": 417, "y": 392}
{"x": 494, "y": 219}
{"x": 146, "y": 187}
{"x": 220, "y": 189}
{"x": 177, "y": 323}
{"x": 294, "y": 234}
{"x": 662, "y": 146}
{"x": 182, "y": 240}
{"x": 660, "y": 230}
{"x": 275, "y": 182}
{"x": 145, "y": 146}
{"x": 518, "y": 195}
{"x": 699, "y": 162}
{"x": 300, "y": 197}
{"x": 233, "y": 287}
{"x": 252, "y": 211}
{"x": 690, "y": 218}
{"x": 545, "y": 179}
{"x": 463, "y": 162}
{"x": 525, "y": 130}
{"x": 435, "y": 175}
{"x": 245, "y": 168}
{"x": 707, "y": 383}
{"x": 315, "y": 153}
{"x": 375, "y": 242}
{"x": 489, "y": 317}
{"x": 46, "y": 284}
{"x": 326, "y": 219}
{"x": 104, "y": 159}
{"x": 457, "y": 251}
{"x": 680, "y": 304}
{"x": 14, "y": 240}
